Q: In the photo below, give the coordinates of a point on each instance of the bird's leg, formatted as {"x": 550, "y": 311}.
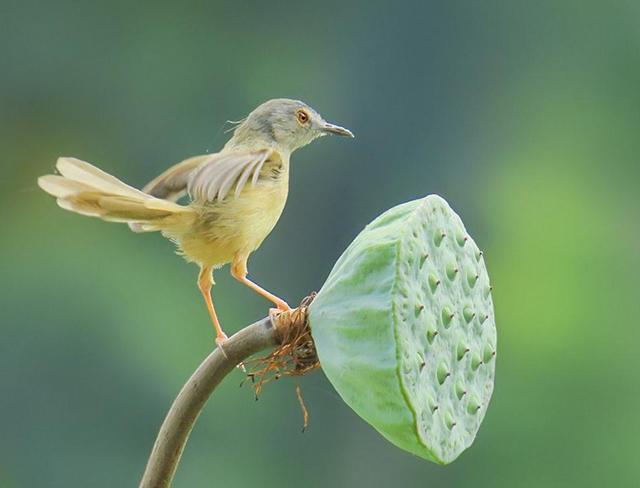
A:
{"x": 239, "y": 272}
{"x": 205, "y": 282}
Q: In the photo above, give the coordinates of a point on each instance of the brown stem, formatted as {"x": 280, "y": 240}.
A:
{"x": 182, "y": 415}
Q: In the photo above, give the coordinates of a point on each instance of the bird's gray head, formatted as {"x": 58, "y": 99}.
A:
{"x": 283, "y": 124}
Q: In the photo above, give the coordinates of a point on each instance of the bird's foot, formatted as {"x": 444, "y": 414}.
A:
{"x": 220, "y": 341}
{"x": 277, "y": 311}
{"x": 221, "y": 338}
{"x": 280, "y": 306}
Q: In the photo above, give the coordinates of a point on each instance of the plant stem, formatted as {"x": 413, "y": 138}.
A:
{"x": 182, "y": 415}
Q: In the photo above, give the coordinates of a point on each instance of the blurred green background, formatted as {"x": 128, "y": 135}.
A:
{"x": 524, "y": 115}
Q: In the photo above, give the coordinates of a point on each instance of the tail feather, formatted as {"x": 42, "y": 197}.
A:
{"x": 62, "y": 187}
{"x": 81, "y": 171}
{"x": 87, "y": 190}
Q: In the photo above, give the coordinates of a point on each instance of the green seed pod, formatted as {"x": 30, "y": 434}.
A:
{"x": 407, "y": 343}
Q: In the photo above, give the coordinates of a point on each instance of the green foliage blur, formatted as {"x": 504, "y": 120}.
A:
{"x": 524, "y": 115}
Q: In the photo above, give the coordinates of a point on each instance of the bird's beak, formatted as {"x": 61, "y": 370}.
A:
{"x": 336, "y": 129}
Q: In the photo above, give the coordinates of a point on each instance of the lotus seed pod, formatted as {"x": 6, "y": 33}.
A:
{"x": 404, "y": 328}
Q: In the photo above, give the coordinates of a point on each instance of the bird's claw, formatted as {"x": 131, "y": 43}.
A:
{"x": 221, "y": 338}
{"x": 280, "y": 306}
{"x": 277, "y": 311}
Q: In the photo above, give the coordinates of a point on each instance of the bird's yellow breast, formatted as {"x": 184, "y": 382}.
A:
{"x": 237, "y": 225}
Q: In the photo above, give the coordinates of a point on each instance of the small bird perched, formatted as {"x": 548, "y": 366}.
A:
{"x": 237, "y": 195}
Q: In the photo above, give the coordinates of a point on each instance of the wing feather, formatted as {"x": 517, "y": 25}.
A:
{"x": 172, "y": 184}
{"x": 247, "y": 172}
{"x": 215, "y": 178}
{"x": 256, "y": 171}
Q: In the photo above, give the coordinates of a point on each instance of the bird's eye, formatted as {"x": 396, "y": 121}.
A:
{"x": 302, "y": 116}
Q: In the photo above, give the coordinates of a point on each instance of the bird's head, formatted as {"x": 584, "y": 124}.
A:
{"x": 284, "y": 124}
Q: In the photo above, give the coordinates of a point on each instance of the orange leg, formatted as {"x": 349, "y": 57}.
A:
{"x": 205, "y": 282}
{"x": 239, "y": 272}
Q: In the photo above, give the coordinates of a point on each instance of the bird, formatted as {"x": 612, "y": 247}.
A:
{"x": 235, "y": 196}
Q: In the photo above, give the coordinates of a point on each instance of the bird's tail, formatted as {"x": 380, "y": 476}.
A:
{"x": 84, "y": 189}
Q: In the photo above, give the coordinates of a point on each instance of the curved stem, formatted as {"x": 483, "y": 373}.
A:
{"x": 182, "y": 415}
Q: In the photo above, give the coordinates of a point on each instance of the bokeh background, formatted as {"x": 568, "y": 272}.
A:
{"x": 524, "y": 115}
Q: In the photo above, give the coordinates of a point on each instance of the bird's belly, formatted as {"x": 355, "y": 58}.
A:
{"x": 236, "y": 225}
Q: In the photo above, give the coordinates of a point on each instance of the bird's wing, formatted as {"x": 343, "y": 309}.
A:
{"x": 215, "y": 177}
{"x": 172, "y": 184}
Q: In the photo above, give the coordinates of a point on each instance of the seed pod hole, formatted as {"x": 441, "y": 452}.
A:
{"x": 473, "y": 406}
{"x": 476, "y": 361}
{"x": 442, "y": 373}
{"x": 434, "y": 282}
{"x": 452, "y": 271}
{"x": 431, "y": 335}
{"x": 472, "y": 279}
{"x": 461, "y": 351}
{"x": 469, "y": 314}
{"x": 488, "y": 354}
{"x": 447, "y": 316}
{"x": 449, "y": 421}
